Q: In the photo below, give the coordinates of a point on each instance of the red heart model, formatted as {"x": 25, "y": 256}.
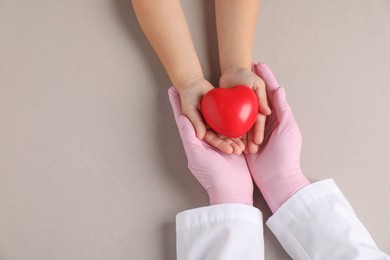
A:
{"x": 230, "y": 111}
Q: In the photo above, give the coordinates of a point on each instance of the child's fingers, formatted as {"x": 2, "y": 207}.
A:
{"x": 238, "y": 145}
{"x": 214, "y": 140}
{"x": 271, "y": 84}
{"x": 193, "y": 113}
{"x": 239, "y": 142}
{"x": 187, "y": 131}
{"x": 258, "y": 129}
{"x": 236, "y": 148}
{"x": 252, "y": 147}
{"x": 196, "y": 119}
{"x": 244, "y": 139}
{"x": 262, "y": 98}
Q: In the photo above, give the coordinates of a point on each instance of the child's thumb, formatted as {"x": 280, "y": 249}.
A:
{"x": 186, "y": 129}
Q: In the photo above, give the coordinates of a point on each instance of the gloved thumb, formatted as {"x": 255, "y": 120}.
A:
{"x": 187, "y": 131}
{"x": 174, "y": 98}
{"x": 265, "y": 73}
{"x": 280, "y": 104}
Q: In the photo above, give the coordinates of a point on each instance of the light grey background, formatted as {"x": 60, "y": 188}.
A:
{"x": 91, "y": 164}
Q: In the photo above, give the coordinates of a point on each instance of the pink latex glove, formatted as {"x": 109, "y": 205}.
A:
{"x": 225, "y": 177}
{"x": 276, "y": 166}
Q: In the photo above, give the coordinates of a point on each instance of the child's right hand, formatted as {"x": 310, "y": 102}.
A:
{"x": 191, "y": 91}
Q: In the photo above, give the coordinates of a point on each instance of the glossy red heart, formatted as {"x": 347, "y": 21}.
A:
{"x": 230, "y": 111}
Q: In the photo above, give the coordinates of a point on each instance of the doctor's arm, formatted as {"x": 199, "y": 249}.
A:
{"x": 230, "y": 228}
{"x": 311, "y": 221}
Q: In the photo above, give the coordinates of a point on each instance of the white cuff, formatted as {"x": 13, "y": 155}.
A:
{"x": 193, "y": 218}
{"x": 220, "y": 232}
{"x": 301, "y": 201}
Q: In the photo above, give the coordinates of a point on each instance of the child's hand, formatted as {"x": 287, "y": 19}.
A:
{"x": 241, "y": 76}
{"x": 191, "y": 92}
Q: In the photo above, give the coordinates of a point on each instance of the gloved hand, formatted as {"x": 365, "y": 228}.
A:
{"x": 276, "y": 167}
{"x": 225, "y": 177}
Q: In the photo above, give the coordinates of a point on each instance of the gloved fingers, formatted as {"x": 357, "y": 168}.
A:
{"x": 174, "y": 98}
{"x": 187, "y": 131}
{"x": 280, "y": 104}
{"x": 264, "y": 72}
{"x": 253, "y": 67}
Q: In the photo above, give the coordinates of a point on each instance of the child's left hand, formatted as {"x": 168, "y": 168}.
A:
{"x": 240, "y": 76}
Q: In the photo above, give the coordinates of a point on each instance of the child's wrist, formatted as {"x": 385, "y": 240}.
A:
{"x": 235, "y": 69}
{"x": 234, "y": 76}
{"x": 236, "y": 66}
{"x": 193, "y": 81}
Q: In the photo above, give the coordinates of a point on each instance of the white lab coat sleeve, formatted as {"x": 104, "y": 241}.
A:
{"x": 318, "y": 223}
{"x": 220, "y": 232}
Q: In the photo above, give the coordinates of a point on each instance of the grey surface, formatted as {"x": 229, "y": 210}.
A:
{"x": 91, "y": 164}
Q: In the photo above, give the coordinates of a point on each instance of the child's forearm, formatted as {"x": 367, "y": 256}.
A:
{"x": 164, "y": 25}
{"x": 236, "y": 23}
